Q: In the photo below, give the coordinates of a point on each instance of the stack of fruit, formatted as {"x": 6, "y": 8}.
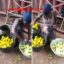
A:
{"x": 37, "y": 42}
{"x": 6, "y": 42}
{"x": 26, "y": 50}
{"x": 57, "y": 46}
{"x": 36, "y": 26}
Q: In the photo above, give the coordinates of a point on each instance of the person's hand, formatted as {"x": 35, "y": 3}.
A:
{"x": 32, "y": 23}
{"x": 45, "y": 29}
{"x": 12, "y": 31}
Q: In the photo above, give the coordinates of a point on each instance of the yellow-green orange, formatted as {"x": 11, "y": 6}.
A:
{"x": 6, "y": 42}
{"x": 38, "y": 42}
{"x": 36, "y": 26}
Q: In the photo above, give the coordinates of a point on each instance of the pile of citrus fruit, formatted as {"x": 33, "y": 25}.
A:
{"x": 6, "y": 42}
{"x": 37, "y": 42}
{"x": 36, "y": 26}
{"x": 26, "y": 49}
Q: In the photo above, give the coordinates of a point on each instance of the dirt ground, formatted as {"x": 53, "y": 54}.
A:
{"x": 46, "y": 57}
{"x": 13, "y": 57}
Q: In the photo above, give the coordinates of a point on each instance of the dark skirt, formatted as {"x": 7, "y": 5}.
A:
{"x": 51, "y": 34}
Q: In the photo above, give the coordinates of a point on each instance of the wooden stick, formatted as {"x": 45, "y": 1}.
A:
{"x": 35, "y": 11}
{"x": 60, "y": 17}
{"x": 16, "y": 3}
{"x": 2, "y": 13}
{"x": 59, "y": 5}
{"x": 4, "y": 5}
{"x": 13, "y": 15}
{"x": 54, "y": 2}
{"x": 17, "y": 15}
{"x": 27, "y": 6}
{"x": 26, "y": 1}
{"x": 62, "y": 24}
{"x": 60, "y": 1}
{"x": 7, "y": 18}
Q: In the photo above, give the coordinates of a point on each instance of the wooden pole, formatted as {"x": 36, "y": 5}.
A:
{"x": 7, "y": 16}
{"x": 13, "y": 15}
{"x": 16, "y": 3}
{"x": 59, "y": 5}
{"x": 62, "y": 24}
